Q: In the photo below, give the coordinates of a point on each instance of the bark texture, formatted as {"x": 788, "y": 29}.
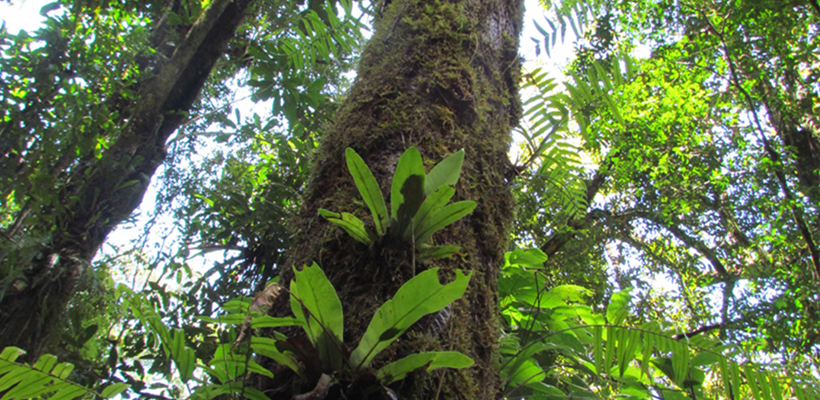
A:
{"x": 105, "y": 191}
{"x": 440, "y": 76}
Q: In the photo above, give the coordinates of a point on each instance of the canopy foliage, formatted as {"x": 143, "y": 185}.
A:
{"x": 668, "y": 191}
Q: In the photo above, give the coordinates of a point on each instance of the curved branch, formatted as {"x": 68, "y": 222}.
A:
{"x": 675, "y": 230}
{"x": 557, "y": 241}
{"x": 770, "y": 151}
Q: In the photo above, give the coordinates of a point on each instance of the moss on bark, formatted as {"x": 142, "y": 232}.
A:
{"x": 441, "y": 76}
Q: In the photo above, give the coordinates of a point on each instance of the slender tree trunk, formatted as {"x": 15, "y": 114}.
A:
{"x": 100, "y": 195}
{"x": 440, "y": 76}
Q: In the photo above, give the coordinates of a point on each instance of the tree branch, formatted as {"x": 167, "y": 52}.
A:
{"x": 698, "y": 331}
{"x": 675, "y": 230}
{"x": 771, "y": 152}
{"x": 557, "y": 241}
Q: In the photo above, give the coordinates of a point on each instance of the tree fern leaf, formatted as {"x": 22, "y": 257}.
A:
{"x": 621, "y": 349}
{"x": 633, "y": 340}
{"x": 62, "y": 370}
{"x": 615, "y": 68}
{"x": 602, "y": 74}
{"x": 775, "y": 388}
{"x": 725, "y": 377}
{"x": 800, "y": 393}
{"x": 14, "y": 377}
{"x": 646, "y": 353}
{"x": 735, "y": 372}
{"x": 598, "y": 354}
{"x": 680, "y": 361}
{"x": 32, "y": 386}
{"x": 751, "y": 380}
{"x": 611, "y": 344}
{"x": 763, "y": 383}
{"x": 45, "y": 363}
{"x": 11, "y": 353}
{"x": 664, "y": 343}
{"x": 574, "y": 27}
{"x": 797, "y": 392}
{"x": 46, "y": 376}
{"x": 70, "y": 392}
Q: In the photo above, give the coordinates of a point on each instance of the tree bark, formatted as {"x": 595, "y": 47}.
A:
{"x": 440, "y": 76}
{"x": 100, "y": 195}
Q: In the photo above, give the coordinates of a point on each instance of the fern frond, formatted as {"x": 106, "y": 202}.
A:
{"x": 674, "y": 358}
{"x": 549, "y": 149}
{"x": 45, "y": 377}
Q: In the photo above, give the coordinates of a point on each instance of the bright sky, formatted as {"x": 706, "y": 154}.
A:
{"x": 23, "y": 14}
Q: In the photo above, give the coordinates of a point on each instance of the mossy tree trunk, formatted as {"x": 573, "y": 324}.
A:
{"x": 38, "y": 277}
{"x": 440, "y": 76}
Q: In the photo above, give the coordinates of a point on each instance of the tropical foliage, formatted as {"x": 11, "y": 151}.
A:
{"x": 665, "y": 244}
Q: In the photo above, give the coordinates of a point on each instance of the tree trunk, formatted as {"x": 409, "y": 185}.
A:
{"x": 440, "y": 76}
{"x": 100, "y": 195}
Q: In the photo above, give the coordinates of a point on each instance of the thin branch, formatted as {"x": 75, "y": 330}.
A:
{"x": 676, "y": 231}
{"x": 557, "y": 241}
{"x": 772, "y": 153}
{"x": 698, "y": 331}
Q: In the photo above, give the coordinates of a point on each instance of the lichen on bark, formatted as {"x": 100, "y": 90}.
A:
{"x": 440, "y": 76}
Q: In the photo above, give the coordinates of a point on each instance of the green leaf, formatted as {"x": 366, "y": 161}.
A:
{"x": 528, "y": 257}
{"x": 369, "y": 189}
{"x": 62, "y": 370}
{"x": 227, "y": 365}
{"x": 266, "y": 321}
{"x": 241, "y": 388}
{"x": 618, "y": 307}
{"x": 527, "y": 372}
{"x": 45, "y": 377}
{"x": 11, "y": 353}
{"x": 267, "y": 347}
{"x": 440, "y": 219}
{"x": 735, "y": 377}
{"x": 432, "y": 204}
{"x": 751, "y": 380}
{"x": 421, "y": 295}
{"x": 646, "y": 353}
{"x": 411, "y": 192}
{"x": 434, "y": 252}
{"x": 632, "y": 339}
{"x": 87, "y": 334}
{"x": 113, "y": 390}
{"x": 324, "y": 323}
{"x": 183, "y": 356}
{"x": 609, "y": 351}
{"x": 664, "y": 364}
{"x": 563, "y": 295}
{"x": 523, "y": 355}
{"x": 68, "y": 392}
{"x": 705, "y": 358}
{"x": 352, "y": 225}
{"x": 397, "y": 370}
{"x": 680, "y": 361}
{"x": 444, "y": 173}
{"x": 230, "y": 319}
{"x": 409, "y": 164}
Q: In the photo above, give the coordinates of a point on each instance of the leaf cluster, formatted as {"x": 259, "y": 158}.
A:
{"x": 418, "y": 201}
{"x": 556, "y": 345}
